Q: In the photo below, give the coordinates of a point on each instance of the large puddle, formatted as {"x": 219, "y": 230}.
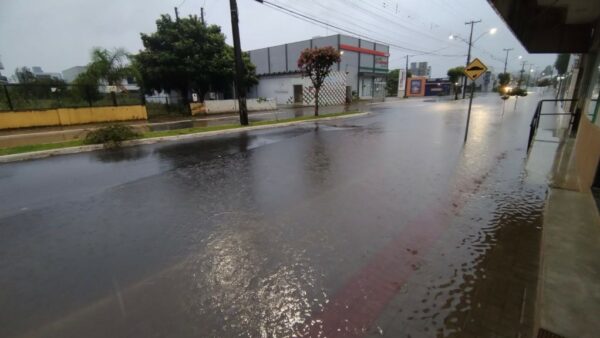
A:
{"x": 384, "y": 225}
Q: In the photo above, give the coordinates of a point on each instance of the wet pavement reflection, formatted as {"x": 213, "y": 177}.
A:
{"x": 384, "y": 225}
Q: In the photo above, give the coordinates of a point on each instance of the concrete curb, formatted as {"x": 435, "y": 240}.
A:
{"x": 93, "y": 147}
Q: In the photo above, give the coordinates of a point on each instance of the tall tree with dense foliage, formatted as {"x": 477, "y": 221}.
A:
{"x": 391, "y": 84}
{"x": 504, "y": 79}
{"x": 316, "y": 63}
{"x": 562, "y": 63}
{"x": 187, "y": 55}
{"x": 455, "y": 74}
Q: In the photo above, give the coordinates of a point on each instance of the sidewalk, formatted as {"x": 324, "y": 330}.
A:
{"x": 569, "y": 281}
{"x": 27, "y": 136}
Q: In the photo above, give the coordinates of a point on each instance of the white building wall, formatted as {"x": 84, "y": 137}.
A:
{"x": 281, "y": 88}
{"x": 227, "y": 106}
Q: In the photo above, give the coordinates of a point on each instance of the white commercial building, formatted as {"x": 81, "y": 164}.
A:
{"x": 361, "y": 73}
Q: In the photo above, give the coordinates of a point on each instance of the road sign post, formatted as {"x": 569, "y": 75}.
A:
{"x": 473, "y": 71}
{"x": 469, "y": 111}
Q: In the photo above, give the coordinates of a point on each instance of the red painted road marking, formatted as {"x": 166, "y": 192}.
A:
{"x": 357, "y": 305}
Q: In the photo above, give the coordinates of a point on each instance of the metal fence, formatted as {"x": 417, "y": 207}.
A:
{"x": 17, "y": 97}
{"x": 164, "y": 105}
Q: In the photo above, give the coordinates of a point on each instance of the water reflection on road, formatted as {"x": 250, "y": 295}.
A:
{"x": 361, "y": 227}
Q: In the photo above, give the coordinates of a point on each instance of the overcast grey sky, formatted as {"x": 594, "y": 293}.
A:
{"x": 58, "y": 34}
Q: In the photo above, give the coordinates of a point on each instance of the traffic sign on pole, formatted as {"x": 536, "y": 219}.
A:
{"x": 475, "y": 69}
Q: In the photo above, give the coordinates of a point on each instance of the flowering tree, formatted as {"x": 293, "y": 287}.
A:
{"x": 316, "y": 64}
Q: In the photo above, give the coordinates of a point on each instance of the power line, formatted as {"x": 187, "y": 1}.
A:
{"x": 418, "y": 32}
{"x": 491, "y": 55}
{"x": 319, "y": 22}
{"x": 415, "y": 31}
{"x": 353, "y": 23}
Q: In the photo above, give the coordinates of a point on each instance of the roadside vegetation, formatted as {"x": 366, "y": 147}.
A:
{"x": 315, "y": 63}
{"x": 113, "y": 136}
{"x": 456, "y": 76}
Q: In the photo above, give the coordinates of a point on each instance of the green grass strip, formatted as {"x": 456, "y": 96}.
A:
{"x": 163, "y": 133}
{"x": 39, "y": 147}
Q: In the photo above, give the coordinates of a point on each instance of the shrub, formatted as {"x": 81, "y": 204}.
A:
{"x": 544, "y": 83}
{"x": 111, "y": 136}
{"x": 518, "y": 92}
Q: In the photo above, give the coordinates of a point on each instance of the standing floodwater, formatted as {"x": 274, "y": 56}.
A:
{"x": 379, "y": 225}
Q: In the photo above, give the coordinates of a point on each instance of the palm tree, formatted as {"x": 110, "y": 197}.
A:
{"x": 108, "y": 66}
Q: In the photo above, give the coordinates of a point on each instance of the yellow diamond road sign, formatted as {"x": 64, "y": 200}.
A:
{"x": 475, "y": 69}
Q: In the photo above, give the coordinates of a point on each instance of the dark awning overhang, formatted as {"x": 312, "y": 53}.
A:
{"x": 551, "y": 26}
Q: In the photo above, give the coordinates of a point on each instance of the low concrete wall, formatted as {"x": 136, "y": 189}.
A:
{"x": 230, "y": 106}
{"x": 70, "y": 116}
{"x": 587, "y": 152}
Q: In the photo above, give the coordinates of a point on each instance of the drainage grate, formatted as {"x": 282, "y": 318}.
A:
{"x": 547, "y": 334}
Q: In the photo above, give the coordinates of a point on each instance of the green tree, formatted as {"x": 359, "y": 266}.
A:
{"x": 24, "y": 75}
{"x": 316, "y": 63}
{"x": 504, "y": 79}
{"x": 548, "y": 71}
{"x": 544, "y": 82}
{"x": 187, "y": 55}
{"x": 561, "y": 63}
{"x": 455, "y": 74}
{"x": 391, "y": 85}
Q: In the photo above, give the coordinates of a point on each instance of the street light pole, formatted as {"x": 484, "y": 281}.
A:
{"x": 239, "y": 64}
{"x": 472, "y": 23}
{"x": 406, "y": 79}
{"x": 522, "y": 71}
{"x": 529, "y": 75}
{"x": 506, "y": 59}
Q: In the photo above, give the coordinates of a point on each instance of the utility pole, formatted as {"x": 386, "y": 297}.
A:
{"x": 522, "y": 71}
{"x": 469, "y": 111}
{"x": 406, "y": 79}
{"x": 176, "y": 15}
{"x": 472, "y": 23}
{"x": 202, "y": 15}
{"x": 529, "y": 75}
{"x": 506, "y": 59}
{"x": 239, "y": 63}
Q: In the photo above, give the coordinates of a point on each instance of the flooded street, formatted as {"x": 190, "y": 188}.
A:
{"x": 384, "y": 225}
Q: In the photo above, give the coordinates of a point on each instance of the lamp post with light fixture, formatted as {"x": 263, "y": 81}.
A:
{"x": 470, "y": 43}
{"x": 531, "y": 70}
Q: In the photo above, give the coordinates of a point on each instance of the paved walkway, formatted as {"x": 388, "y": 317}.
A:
{"x": 569, "y": 289}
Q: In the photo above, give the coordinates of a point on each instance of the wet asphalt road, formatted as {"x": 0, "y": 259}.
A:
{"x": 381, "y": 225}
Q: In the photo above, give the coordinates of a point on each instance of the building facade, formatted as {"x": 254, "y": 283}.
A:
{"x": 361, "y": 72}
{"x": 70, "y": 74}
{"x": 420, "y": 69}
{"x": 39, "y": 73}
{"x": 485, "y": 82}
